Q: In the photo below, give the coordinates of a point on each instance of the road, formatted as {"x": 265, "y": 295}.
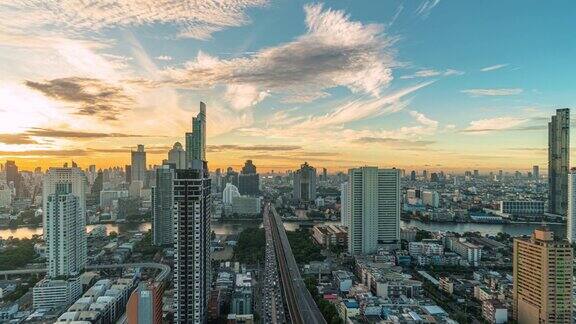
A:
{"x": 164, "y": 269}
{"x": 301, "y": 306}
{"x": 272, "y": 303}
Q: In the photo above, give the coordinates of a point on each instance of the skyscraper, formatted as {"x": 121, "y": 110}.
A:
{"x": 162, "y": 206}
{"x": 13, "y": 177}
{"x": 192, "y": 213}
{"x": 138, "y": 165}
{"x": 374, "y": 207}
{"x": 536, "y": 172}
{"x": 344, "y": 205}
{"x": 192, "y": 201}
{"x": 64, "y": 199}
{"x": 305, "y": 183}
{"x": 571, "y": 215}
{"x": 249, "y": 180}
{"x": 542, "y": 270}
{"x": 196, "y": 140}
{"x": 229, "y": 193}
{"x": 177, "y": 156}
{"x": 558, "y": 161}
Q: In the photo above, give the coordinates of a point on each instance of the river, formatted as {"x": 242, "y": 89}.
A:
{"x": 228, "y": 228}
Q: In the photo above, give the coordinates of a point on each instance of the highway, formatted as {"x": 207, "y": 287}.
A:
{"x": 301, "y": 306}
{"x": 164, "y": 269}
{"x": 272, "y": 303}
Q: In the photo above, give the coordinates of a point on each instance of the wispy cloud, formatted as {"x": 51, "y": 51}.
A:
{"x": 93, "y": 97}
{"x": 493, "y": 92}
{"x": 488, "y": 125}
{"x": 16, "y": 139}
{"x": 54, "y": 133}
{"x": 432, "y": 73}
{"x": 426, "y": 7}
{"x": 493, "y": 67}
{"x": 195, "y": 19}
{"x": 335, "y": 51}
{"x": 265, "y": 148}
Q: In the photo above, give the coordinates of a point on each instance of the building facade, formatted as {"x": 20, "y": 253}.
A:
{"x": 249, "y": 180}
{"x": 162, "y": 206}
{"x": 344, "y": 205}
{"x": 192, "y": 213}
{"x": 305, "y": 183}
{"x": 374, "y": 197}
{"x": 145, "y": 304}
{"x": 542, "y": 271}
{"x": 196, "y": 140}
{"x": 138, "y": 164}
{"x": 558, "y": 161}
{"x": 571, "y": 214}
{"x": 177, "y": 156}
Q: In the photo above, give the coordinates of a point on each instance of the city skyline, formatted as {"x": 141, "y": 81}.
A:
{"x": 95, "y": 87}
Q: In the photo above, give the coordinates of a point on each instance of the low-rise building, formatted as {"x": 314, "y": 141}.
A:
{"x": 446, "y": 285}
{"x": 53, "y": 293}
{"x": 330, "y": 235}
{"x": 494, "y": 311}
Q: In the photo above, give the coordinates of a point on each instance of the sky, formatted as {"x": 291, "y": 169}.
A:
{"x": 419, "y": 84}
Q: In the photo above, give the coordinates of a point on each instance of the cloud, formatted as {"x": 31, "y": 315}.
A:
{"x": 195, "y": 19}
{"x": 242, "y": 96}
{"x": 16, "y": 139}
{"x": 493, "y": 92}
{"x": 44, "y": 153}
{"x": 334, "y": 51}
{"x": 432, "y": 73}
{"x": 47, "y": 132}
{"x": 485, "y": 126}
{"x": 426, "y": 7}
{"x": 493, "y": 67}
{"x": 92, "y": 97}
{"x": 164, "y": 58}
{"x": 232, "y": 147}
{"x": 393, "y": 141}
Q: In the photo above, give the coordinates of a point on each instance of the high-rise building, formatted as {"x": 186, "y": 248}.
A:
{"x": 138, "y": 165}
{"x": 558, "y": 161}
{"x": 13, "y": 177}
{"x": 177, "y": 156}
{"x": 536, "y": 172}
{"x": 145, "y": 304}
{"x": 196, "y": 140}
{"x": 305, "y": 183}
{"x": 192, "y": 212}
{"x": 249, "y": 180}
{"x": 374, "y": 204}
{"x": 231, "y": 176}
{"x": 413, "y": 175}
{"x": 229, "y": 193}
{"x": 542, "y": 271}
{"x": 571, "y": 215}
{"x": 162, "y": 206}
{"x": 64, "y": 203}
{"x": 344, "y": 205}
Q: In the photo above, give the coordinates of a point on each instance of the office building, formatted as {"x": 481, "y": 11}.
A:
{"x": 305, "y": 183}
{"x": 138, "y": 165}
{"x": 177, "y": 156}
{"x": 524, "y": 208}
{"x": 192, "y": 211}
{"x": 13, "y": 177}
{"x": 64, "y": 203}
{"x": 231, "y": 176}
{"x": 162, "y": 206}
{"x": 542, "y": 271}
{"x": 558, "y": 161}
{"x": 249, "y": 180}
{"x": 536, "y": 172}
{"x": 145, "y": 304}
{"x": 196, "y": 140}
{"x": 413, "y": 175}
{"x": 229, "y": 193}
{"x": 571, "y": 216}
{"x": 374, "y": 197}
{"x": 344, "y": 205}
{"x": 431, "y": 198}
{"x": 244, "y": 205}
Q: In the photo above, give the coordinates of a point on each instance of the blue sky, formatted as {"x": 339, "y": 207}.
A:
{"x": 431, "y": 84}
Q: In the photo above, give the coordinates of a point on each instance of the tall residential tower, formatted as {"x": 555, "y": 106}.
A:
{"x": 138, "y": 165}
{"x": 558, "y": 161}
{"x": 305, "y": 183}
{"x": 196, "y": 140}
{"x": 373, "y": 209}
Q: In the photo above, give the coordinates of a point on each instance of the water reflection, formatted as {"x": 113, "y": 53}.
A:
{"x": 228, "y": 228}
